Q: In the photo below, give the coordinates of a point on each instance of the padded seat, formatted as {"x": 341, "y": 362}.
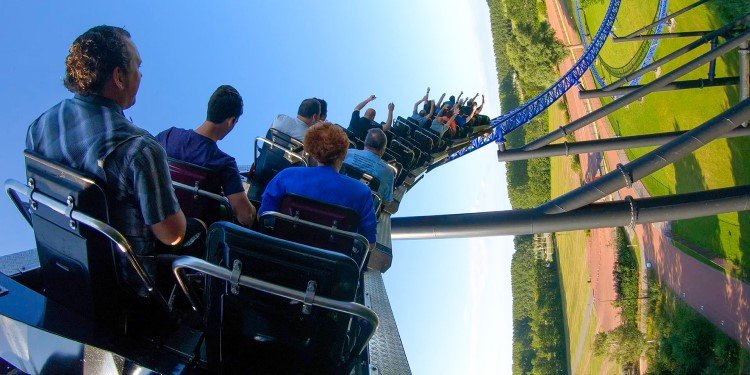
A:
{"x": 80, "y": 267}
{"x": 259, "y": 329}
{"x": 326, "y": 226}
{"x": 278, "y": 151}
{"x": 199, "y": 192}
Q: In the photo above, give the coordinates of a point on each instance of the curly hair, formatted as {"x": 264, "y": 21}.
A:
{"x": 92, "y": 58}
{"x": 326, "y": 142}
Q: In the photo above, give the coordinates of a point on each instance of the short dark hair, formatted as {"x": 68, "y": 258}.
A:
{"x": 323, "y": 107}
{"x": 92, "y": 58}
{"x": 376, "y": 139}
{"x": 225, "y": 102}
{"x": 309, "y": 107}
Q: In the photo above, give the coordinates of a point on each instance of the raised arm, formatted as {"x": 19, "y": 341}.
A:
{"x": 459, "y": 96}
{"x": 389, "y": 121}
{"x": 364, "y": 103}
{"x": 416, "y": 105}
{"x": 439, "y": 103}
{"x": 481, "y": 105}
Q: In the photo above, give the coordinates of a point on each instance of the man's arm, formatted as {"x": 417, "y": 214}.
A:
{"x": 153, "y": 189}
{"x": 242, "y": 208}
{"x": 432, "y": 111}
{"x": 389, "y": 121}
{"x": 171, "y": 230}
{"x": 364, "y": 103}
{"x": 439, "y": 103}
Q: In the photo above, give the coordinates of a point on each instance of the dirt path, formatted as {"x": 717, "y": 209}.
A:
{"x": 724, "y": 300}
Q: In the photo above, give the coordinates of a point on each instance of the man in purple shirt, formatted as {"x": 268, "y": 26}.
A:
{"x": 199, "y": 147}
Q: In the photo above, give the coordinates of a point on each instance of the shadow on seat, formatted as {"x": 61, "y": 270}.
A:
{"x": 199, "y": 192}
{"x": 317, "y": 224}
{"x": 80, "y": 267}
{"x": 275, "y": 306}
{"x": 371, "y": 181}
{"x": 272, "y": 154}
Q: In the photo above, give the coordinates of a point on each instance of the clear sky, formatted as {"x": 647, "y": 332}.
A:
{"x": 451, "y": 298}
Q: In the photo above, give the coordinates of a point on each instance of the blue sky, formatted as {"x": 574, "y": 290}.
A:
{"x": 451, "y": 298}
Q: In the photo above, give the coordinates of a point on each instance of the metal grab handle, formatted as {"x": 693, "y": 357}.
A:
{"x": 17, "y": 202}
{"x": 224, "y": 201}
{"x": 195, "y": 264}
{"x": 343, "y": 233}
{"x": 107, "y": 230}
{"x": 286, "y": 151}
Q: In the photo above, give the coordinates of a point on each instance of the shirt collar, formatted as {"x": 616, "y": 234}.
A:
{"x": 99, "y": 100}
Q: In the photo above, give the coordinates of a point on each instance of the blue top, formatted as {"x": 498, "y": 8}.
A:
{"x": 368, "y": 162}
{"x": 326, "y": 185}
{"x": 189, "y": 146}
{"x": 91, "y": 134}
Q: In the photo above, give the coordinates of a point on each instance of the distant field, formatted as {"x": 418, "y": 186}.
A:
{"x": 574, "y": 275}
{"x": 719, "y": 164}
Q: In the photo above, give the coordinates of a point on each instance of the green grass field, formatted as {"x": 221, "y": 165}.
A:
{"x": 721, "y": 163}
{"x": 574, "y": 275}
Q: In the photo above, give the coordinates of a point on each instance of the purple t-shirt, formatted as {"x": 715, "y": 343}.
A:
{"x": 191, "y": 147}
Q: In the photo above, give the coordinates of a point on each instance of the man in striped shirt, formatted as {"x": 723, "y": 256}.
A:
{"x": 90, "y": 133}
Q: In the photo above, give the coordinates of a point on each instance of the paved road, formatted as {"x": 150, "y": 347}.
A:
{"x": 722, "y": 299}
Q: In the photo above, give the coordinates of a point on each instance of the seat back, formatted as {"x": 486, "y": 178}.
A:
{"x": 253, "y": 331}
{"x": 79, "y": 267}
{"x": 317, "y": 224}
{"x": 199, "y": 192}
{"x": 277, "y": 151}
{"x": 371, "y": 181}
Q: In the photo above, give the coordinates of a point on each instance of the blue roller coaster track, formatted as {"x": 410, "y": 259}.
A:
{"x": 661, "y": 12}
{"x": 508, "y": 122}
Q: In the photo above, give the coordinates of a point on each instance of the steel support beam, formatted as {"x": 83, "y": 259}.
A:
{"x": 679, "y": 52}
{"x": 677, "y": 85}
{"x": 637, "y": 94}
{"x": 596, "y": 215}
{"x": 673, "y": 15}
{"x": 619, "y": 143}
{"x": 684, "y": 34}
{"x": 649, "y": 163}
{"x": 744, "y": 88}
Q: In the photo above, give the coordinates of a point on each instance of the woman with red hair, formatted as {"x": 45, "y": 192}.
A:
{"x": 327, "y": 144}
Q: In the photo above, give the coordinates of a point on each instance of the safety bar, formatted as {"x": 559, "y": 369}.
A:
{"x": 343, "y": 233}
{"x": 111, "y": 233}
{"x": 195, "y": 264}
{"x": 291, "y": 155}
{"x": 17, "y": 202}
{"x": 203, "y": 193}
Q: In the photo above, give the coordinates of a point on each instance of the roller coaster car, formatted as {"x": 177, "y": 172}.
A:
{"x": 371, "y": 181}
{"x": 268, "y": 306}
{"x": 358, "y": 143}
{"x": 275, "y": 152}
{"x": 317, "y": 329}
{"x": 199, "y": 192}
{"x": 318, "y": 224}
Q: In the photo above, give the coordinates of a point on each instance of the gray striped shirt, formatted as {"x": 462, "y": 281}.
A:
{"x": 91, "y": 134}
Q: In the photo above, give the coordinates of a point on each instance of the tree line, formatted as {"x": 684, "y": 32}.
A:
{"x": 526, "y": 54}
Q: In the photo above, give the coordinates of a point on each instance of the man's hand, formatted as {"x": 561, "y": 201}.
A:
{"x": 391, "y": 107}
{"x": 371, "y": 98}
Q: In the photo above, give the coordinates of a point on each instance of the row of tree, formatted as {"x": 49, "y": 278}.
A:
{"x": 526, "y": 54}
{"x": 538, "y": 327}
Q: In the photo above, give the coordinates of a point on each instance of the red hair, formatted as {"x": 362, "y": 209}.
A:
{"x": 326, "y": 142}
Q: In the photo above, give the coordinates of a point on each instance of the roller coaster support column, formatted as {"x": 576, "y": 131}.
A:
{"x": 643, "y": 29}
{"x": 744, "y": 51}
{"x": 684, "y": 34}
{"x": 679, "y": 52}
{"x": 678, "y": 85}
{"x": 626, "y": 175}
{"x": 619, "y": 143}
{"x": 597, "y": 215}
{"x": 639, "y": 93}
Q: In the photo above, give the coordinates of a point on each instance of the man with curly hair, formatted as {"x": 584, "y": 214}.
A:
{"x": 327, "y": 144}
{"x": 89, "y": 132}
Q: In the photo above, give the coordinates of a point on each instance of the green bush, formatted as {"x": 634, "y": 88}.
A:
{"x": 626, "y": 278}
